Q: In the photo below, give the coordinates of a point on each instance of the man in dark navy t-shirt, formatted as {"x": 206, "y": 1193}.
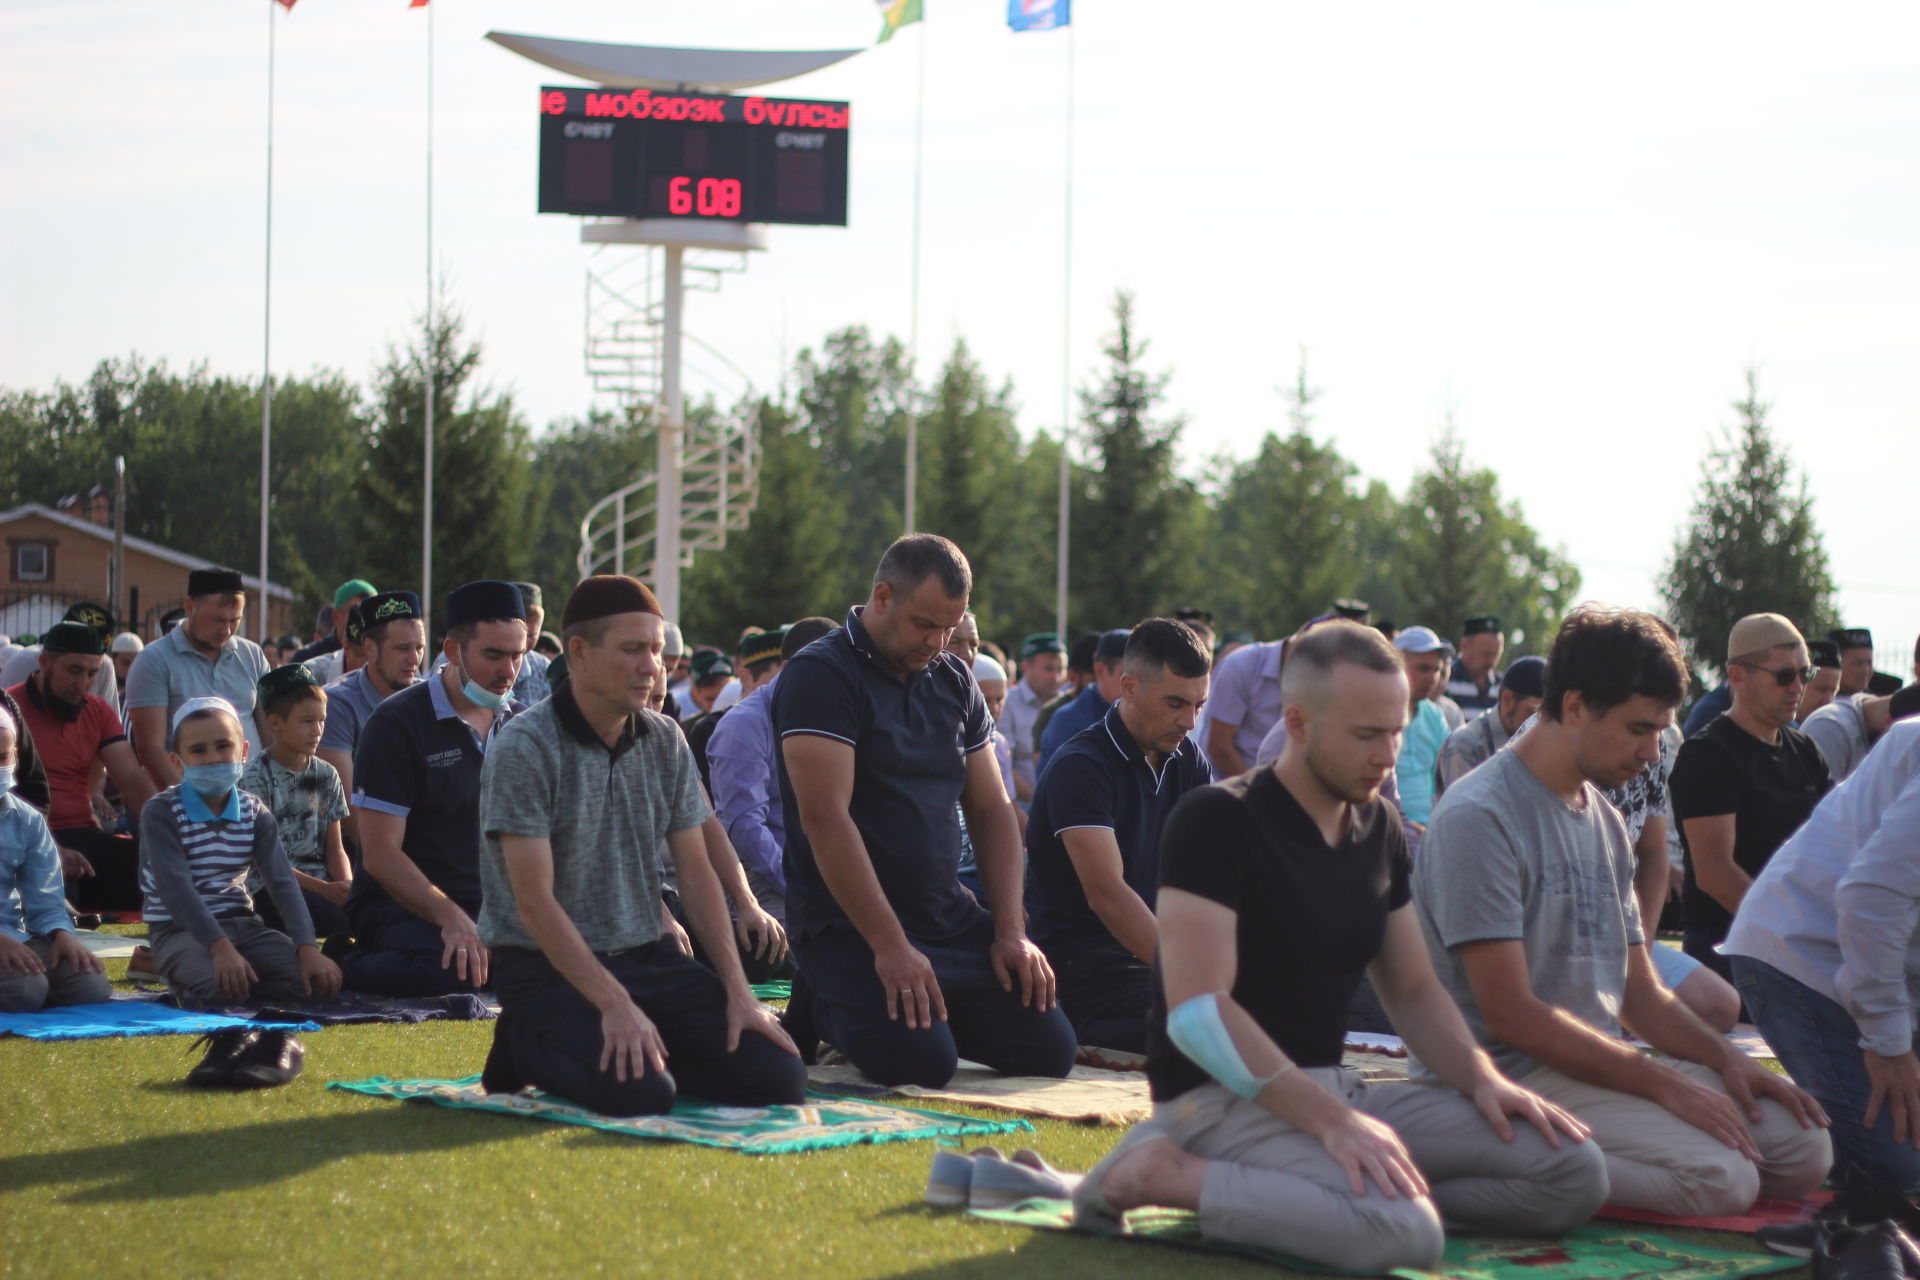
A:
{"x": 1093, "y": 840}
{"x": 882, "y": 734}
{"x": 416, "y": 776}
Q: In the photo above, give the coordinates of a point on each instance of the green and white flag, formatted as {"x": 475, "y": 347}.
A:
{"x": 895, "y": 14}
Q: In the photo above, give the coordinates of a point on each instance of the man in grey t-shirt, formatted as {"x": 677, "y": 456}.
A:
{"x": 577, "y": 794}
{"x": 1524, "y": 888}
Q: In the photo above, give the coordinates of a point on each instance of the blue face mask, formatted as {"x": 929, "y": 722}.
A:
{"x": 484, "y": 697}
{"x": 214, "y": 779}
{"x": 6, "y": 778}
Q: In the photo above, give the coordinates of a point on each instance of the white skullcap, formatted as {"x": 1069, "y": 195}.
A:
{"x": 193, "y": 706}
{"x": 126, "y": 642}
{"x": 986, "y": 668}
{"x": 674, "y": 644}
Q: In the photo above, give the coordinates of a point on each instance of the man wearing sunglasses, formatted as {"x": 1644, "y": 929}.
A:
{"x": 1747, "y": 781}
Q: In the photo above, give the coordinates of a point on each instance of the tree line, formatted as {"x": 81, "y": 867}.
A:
{"x": 1264, "y": 541}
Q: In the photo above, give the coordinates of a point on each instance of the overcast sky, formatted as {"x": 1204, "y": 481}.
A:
{"x": 1572, "y": 227}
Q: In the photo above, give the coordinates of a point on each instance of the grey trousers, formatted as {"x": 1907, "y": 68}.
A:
{"x": 188, "y": 966}
{"x": 1274, "y": 1186}
{"x": 61, "y": 984}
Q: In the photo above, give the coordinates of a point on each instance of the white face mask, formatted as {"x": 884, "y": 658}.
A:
{"x": 6, "y": 778}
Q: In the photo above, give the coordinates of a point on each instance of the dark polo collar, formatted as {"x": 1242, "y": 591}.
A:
{"x": 575, "y": 723}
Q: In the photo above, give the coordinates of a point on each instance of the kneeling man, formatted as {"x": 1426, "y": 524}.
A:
{"x": 1525, "y": 888}
{"x": 1277, "y": 888}
{"x": 1093, "y": 844}
{"x": 575, "y": 798}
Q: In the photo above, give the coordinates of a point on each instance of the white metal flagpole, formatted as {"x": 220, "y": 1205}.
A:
{"x": 428, "y": 365}
{"x": 1066, "y": 366}
{"x": 913, "y": 320}
{"x": 266, "y": 340}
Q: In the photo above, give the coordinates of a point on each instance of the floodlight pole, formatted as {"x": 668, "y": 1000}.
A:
{"x": 666, "y": 497}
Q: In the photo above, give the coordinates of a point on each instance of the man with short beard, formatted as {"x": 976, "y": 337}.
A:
{"x": 416, "y": 891}
{"x": 204, "y": 656}
{"x": 76, "y": 732}
{"x": 389, "y": 629}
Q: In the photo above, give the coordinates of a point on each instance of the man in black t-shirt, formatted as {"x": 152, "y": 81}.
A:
{"x": 1277, "y": 889}
{"x": 883, "y": 743}
{"x": 1093, "y": 840}
{"x": 1746, "y": 782}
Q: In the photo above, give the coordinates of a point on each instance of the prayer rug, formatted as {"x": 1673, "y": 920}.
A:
{"x": 354, "y": 1007}
{"x": 108, "y": 946}
{"x": 127, "y": 1018}
{"x": 1592, "y": 1253}
{"x": 1087, "y": 1096}
{"x": 1746, "y": 1037}
{"x": 1764, "y": 1213}
{"x": 778, "y": 990}
{"x": 823, "y": 1121}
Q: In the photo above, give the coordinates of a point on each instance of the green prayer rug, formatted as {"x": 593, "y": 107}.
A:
{"x": 823, "y": 1121}
{"x": 775, "y": 990}
{"x": 1592, "y": 1253}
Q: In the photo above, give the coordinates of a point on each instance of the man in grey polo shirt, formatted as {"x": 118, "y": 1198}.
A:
{"x": 576, "y": 795}
{"x": 205, "y": 656}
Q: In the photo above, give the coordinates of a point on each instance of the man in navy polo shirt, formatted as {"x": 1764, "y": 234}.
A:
{"x": 1093, "y": 844}
{"x": 416, "y": 892}
{"x": 882, "y": 733}
{"x": 1092, "y": 702}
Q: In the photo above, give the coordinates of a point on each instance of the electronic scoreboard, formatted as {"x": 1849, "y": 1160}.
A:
{"x": 637, "y": 153}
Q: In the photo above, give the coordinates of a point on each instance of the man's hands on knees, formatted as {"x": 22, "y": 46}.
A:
{"x": 760, "y": 935}
{"x": 744, "y": 1013}
{"x": 1017, "y": 957}
{"x": 630, "y": 1045}
{"x": 319, "y": 976}
{"x": 73, "y": 863}
{"x": 18, "y": 957}
{"x": 233, "y": 977}
{"x": 1498, "y": 1098}
{"x": 1896, "y": 1085}
{"x": 1747, "y": 1082}
{"x": 911, "y": 987}
{"x": 462, "y": 950}
{"x": 1707, "y": 1109}
{"x": 64, "y": 948}
{"x": 1369, "y": 1148}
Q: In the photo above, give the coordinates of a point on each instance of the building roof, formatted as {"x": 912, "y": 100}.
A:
{"x": 141, "y": 545}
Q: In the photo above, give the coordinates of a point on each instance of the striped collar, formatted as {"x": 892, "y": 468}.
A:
{"x": 1123, "y": 742}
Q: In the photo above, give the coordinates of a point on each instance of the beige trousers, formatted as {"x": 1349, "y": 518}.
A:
{"x": 1271, "y": 1185}
{"x": 1656, "y": 1160}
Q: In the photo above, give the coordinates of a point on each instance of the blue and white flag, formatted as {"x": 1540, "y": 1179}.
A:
{"x": 1038, "y": 15}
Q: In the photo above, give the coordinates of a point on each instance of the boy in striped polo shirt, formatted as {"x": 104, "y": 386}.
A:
{"x": 197, "y": 840}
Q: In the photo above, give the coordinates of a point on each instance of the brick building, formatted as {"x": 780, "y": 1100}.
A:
{"x": 57, "y": 558}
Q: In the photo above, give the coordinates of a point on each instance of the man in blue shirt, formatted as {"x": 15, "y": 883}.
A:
{"x": 391, "y": 632}
{"x": 883, "y": 741}
{"x": 416, "y": 889}
{"x": 1109, "y": 658}
{"x": 1093, "y": 842}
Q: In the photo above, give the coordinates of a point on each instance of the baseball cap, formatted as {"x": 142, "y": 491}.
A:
{"x": 1759, "y": 631}
{"x": 1419, "y": 640}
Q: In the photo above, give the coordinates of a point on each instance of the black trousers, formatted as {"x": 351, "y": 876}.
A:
{"x": 329, "y": 918}
{"x": 984, "y": 1022}
{"x": 396, "y": 953}
{"x": 1106, "y": 992}
{"x": 757, "y": 969}
{"x": 115, "y": 882}
{"x": 549, "y": 1036}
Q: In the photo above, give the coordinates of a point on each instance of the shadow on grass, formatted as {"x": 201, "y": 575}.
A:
{"x": 204, "y": 1162}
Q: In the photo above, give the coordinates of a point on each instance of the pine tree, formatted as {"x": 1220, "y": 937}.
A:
{"x": 1751, "y": 544}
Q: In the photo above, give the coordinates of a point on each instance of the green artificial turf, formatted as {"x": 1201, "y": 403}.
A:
{"x": 109, "y": 1164}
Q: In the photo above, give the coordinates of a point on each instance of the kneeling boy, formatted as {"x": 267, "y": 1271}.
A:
{"x": 198, "y": 839}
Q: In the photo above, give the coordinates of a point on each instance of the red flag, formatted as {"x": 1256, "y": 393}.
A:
{"x": 287, "y": 5}
{"x": 416, "y": 4}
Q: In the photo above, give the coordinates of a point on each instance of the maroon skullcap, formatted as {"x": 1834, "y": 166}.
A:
{"x": 606, "y": 594}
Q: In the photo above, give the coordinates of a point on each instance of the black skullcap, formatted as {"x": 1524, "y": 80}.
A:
{"x": 281, "y": 681}
{"x": 762, "y": 646}
{"x": 710, "y": 664}
{"x": 73, "y": 637}
{"x": 606, "y": 594}
{"x": 1040, "y": 642}
{"x": 1823, "y": 653}
{"x": 1851, "y": 638}
{"x": 530, "y": 592}
{"x": 94, "y": 615}
{"x": 1484, "y": 624}
{"x": 1352, "y": 610}
{"x": 356, "y": 623}
{"x": 484, "y": 601}
{"x": 1080, "y": 657}
{"x": 388, "y": 606}
{"x": 213, "y": 582}
{"x": 1525, "y": 678}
